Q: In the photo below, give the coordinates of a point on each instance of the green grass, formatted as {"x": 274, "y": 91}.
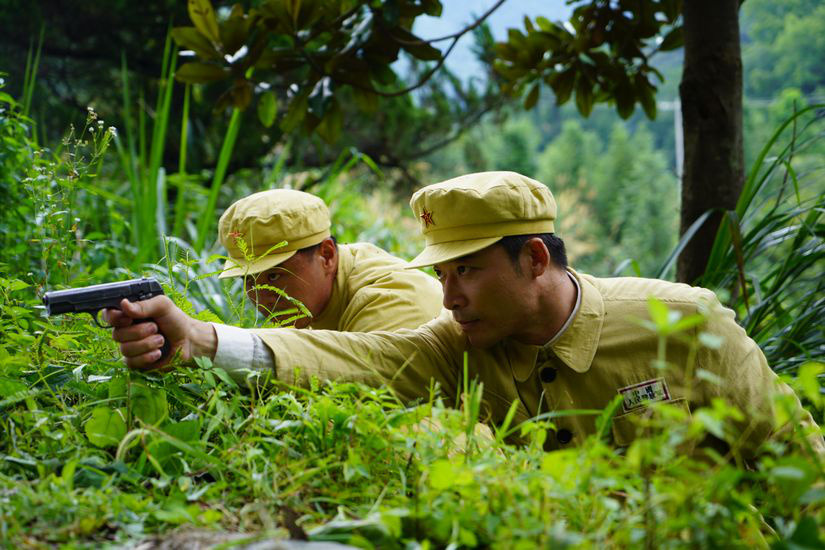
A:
{"x": 92, "y": 454}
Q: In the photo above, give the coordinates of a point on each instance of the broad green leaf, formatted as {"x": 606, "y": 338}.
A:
{"x": 295, "y": 113}
{"x": 225, "y": 378}
{"x": 191, "y": 38}
{"x": 106, "y": 427}
{"x": 267, "y": 108}
{"x": 10, "y": 386}
{"x": 17, "y": 284}
{"x": 674, "y": 39}
{"x": 532, "y": 97}
{"x": 330, "y": 127}
{"x": 148, "y": 404}
{"x": 808, "y": 381}
{"x": 200, "y": 73}
{"x": 234, "y": 31}
{"x": 188, "y": 430}
{"x": 117, "y": 388}
{"x": 584, "y": 96}
{"x": 445, "y": 474}
{"x": 563, "y": 466}
{"x": 563, "y": 85}
{"x": 203, "y": 16}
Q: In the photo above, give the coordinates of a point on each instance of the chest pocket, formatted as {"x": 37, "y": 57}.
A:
{"x": 649, "y": 420}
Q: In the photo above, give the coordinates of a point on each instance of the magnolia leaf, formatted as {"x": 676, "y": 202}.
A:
{"x": 674, "y": 39}
{"x": 200, "y": 73}
{"x": 295, "y": 113}
{"x": 584, "y": 96}
{"x": 203, "y": 16}
{"x": 330, "y": 127}
{"x": 241, "y": 94}
{"x": 532, "y": 97}
{"x": 234, "y": 31}
{"x": 563, "y": 85}
{"x": 190, "y": 38}
{"x": 106, "y": 427}
{"x": 267, "y": 109}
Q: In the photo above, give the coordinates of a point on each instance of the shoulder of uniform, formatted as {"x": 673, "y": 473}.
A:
{"x": 638, "y": 289}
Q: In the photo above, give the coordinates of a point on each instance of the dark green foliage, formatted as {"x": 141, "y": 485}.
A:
{"x": 601, "y": 54}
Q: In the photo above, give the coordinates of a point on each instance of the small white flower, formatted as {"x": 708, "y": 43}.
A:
{"x": 113, "y": 131}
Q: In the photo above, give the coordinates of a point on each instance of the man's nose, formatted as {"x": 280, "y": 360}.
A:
{"x": 453, "y": 296}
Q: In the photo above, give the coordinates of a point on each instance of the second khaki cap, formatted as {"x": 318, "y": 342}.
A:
{"x": 466, "y": 214}
{"x": 267, "y": 228}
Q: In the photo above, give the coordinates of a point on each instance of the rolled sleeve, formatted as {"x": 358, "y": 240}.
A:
{"x": 240, "y": 351}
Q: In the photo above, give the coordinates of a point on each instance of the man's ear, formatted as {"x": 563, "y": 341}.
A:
{"x": 328, "y": 253}
{"x": 537, "y": 257}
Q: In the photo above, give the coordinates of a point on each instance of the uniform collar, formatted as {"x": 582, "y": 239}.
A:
{"x": 576, "y": 346}
{"x": 328, "y": 319}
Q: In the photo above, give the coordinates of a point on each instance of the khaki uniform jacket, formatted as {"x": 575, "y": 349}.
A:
{"x": 602, "y": 354}
{"x": 373, "y": 291}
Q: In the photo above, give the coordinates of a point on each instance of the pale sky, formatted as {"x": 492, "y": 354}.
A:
{"x": 457, "y": 14}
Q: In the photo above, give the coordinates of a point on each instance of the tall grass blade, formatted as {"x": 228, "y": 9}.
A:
{"x": 30, "y": 76}
{"x": 205, "y": 223}
{"x": 180, "y": 201}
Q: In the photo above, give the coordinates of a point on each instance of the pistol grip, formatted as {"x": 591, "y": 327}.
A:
{"x": 166, "y": 347}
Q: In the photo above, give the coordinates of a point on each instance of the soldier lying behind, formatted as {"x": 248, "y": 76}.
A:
{"x": 346, "y": 287}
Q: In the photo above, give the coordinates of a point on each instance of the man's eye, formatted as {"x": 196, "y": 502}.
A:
{"x": 462, "y": 269}
{"x": 273, "y": 277}
{"x": 437, "y": 273}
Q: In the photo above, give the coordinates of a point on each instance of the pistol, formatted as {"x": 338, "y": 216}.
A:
{"x": 92, "y": 299}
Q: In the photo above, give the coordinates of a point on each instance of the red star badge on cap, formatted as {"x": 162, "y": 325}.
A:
{"x": 428, "y": 218}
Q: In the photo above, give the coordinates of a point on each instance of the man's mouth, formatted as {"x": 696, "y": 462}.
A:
{"x": 467, "y": 324}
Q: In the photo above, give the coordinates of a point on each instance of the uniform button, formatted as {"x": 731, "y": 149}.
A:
{"x": 547, "y": 374}
{"x": 564, "y": 436}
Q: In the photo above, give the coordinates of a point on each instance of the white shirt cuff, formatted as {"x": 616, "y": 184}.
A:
{"x": 239, "y": 351}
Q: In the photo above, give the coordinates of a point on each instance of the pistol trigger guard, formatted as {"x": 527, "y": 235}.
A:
{"x": 95, "y": 318}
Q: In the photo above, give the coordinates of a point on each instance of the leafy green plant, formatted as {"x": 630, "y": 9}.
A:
{"x": 768, "y": 254}
{"x": 91, "y": 453}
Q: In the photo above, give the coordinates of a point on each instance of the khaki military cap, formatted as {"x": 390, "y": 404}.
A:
{"x": 272, "y": 225}
{"x": 466, "y": 214}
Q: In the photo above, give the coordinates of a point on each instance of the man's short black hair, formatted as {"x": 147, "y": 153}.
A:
{"x": 313, "y": 248}
{"x": 513, "y": 245}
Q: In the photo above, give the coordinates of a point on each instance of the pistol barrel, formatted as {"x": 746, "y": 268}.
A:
{"x": 96, "y": 297}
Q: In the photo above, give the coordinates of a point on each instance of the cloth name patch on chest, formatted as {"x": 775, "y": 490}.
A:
{"x": 640, "y": 394}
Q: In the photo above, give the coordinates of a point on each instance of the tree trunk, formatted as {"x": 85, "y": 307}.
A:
{"x": 711, "y": 94}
